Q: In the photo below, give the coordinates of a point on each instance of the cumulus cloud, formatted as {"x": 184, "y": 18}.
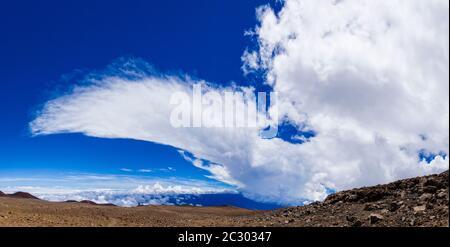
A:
{"x": 370, "y": 78}
{"x": 124, "y": 199}
{"x": 116, "y": 189}
{"x": 156, "y": 193}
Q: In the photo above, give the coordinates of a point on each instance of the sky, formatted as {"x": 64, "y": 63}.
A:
{"x": 46, "y": 44}
{"x": 362, "y": 96}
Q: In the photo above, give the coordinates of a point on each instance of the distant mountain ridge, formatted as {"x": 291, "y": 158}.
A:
{"x": 19, "y": 194}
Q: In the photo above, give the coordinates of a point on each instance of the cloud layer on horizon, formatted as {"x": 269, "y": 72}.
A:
{"x": 121, "y": 190}
{"x": 369, "y": 77}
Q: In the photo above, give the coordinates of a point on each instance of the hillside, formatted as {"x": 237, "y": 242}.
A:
{"x": 421, "y": 201}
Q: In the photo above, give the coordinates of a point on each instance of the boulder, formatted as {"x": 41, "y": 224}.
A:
{"x": 374, "y": 218}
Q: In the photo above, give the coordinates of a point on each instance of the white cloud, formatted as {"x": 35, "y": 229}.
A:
{"x": 126, "y": 170}
{"x": 145, "y": 170}
{"x": 116, "y": 189}
{"x": 150, "y": 193}
{"x": 116, "y": 198}
{"x": 167, "y": 169}
{"x": 369, "y": 77}
{"x": 158, "y": 188}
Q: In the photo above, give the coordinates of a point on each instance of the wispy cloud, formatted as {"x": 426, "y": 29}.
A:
{"x": 167, "y": 169}
{"x": 145, "y": 170}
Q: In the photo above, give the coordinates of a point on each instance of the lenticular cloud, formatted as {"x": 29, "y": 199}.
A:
{"x": 370, "y": 78}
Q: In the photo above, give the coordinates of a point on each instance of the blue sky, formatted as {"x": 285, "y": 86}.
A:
{"x": 46, "y": 44}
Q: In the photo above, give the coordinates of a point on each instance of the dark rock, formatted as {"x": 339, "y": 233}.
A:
{"x": 393, "y": 206}
{"x": 430, "y": 189}
{"x": 375, "y": 195}
{"x": 350, "y": 218}
{"x": 353, "y": 198}
{"x": 357, "y": 223}
{"x": 431, "y": 181}
{"x": 374, "y": 218}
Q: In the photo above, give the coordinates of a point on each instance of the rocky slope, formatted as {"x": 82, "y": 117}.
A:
{"x": 421, "y": 201}
{"x": 414, "y": 202}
